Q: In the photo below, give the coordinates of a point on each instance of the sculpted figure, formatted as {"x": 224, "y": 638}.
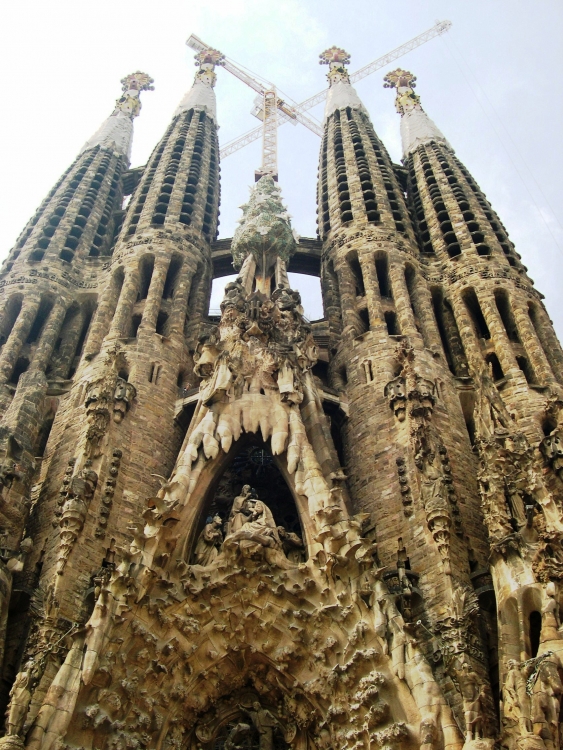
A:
{"x": 261, "y": 524}
{"x": 550, "y": 615}
{"x": 240, "y": 512}
{"x": 20, "y": 695}
{"x": 432, "y": 483}
{"x": 123, "y": 396}
{"x": 264, "y": 721}
{"x": 546, "y": 701}
{"x": 427, "y": 696}
{"x": 552, "y": 449}
{"x": 516, "y": 699}
{"x": 472, "y": 693}
{"x": 292, "y": 545}
{"x": 210, "y": 538}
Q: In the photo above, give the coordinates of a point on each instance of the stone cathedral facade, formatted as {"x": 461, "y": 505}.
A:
{"x": 250, "y": 531}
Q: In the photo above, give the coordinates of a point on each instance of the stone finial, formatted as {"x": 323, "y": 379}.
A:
{"x": 334, "y": 55}
{"x": 336, "y": 58}
{"x": 404, "y": 81}
{"x": 416, "y": 127}
{"x": 137, "y": 81}
{"x": 206, "y": 60}
{"x": 117, "y": 130}
{"x": 209, "y": 56}
{"x": 341, "y": 93}
{"x": 129, "y": 102}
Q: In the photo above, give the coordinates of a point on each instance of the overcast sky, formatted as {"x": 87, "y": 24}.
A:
{"x": 491, "y": 84}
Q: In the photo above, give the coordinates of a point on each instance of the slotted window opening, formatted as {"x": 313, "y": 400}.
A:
{"x": 495, "y": 366}
{"x": 21, "y": 366}
{"x": 364, "y": 173}
{"x": 323, "y": 220}
{"x": 396, "y": 203}
{"x": 505, "y": 311}
{"x": 63, "y": 202}
{"x": 147, "y": 269}
{"x": 341, "y": 175}
{"x": 40, "y": 319}
{"x": 357, "y": 275}
{"x": 13, "y": 308}
{"x": 382, "y": 271}
{"x": 527, "y": 369}
{"x": 392, "y": 323}
{"x": 476, "y": 314}
{"x": 171, "y": 277}
{"x": 140, "y": 195}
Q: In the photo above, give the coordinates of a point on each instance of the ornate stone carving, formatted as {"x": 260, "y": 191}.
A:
{"x": 395, "y": 392}
{"x": 79, "y": 493}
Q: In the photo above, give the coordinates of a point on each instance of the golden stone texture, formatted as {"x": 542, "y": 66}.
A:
{"x": 246, "y": 530}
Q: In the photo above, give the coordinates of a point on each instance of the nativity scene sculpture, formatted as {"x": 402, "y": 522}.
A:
{"x": 251, "y": 532}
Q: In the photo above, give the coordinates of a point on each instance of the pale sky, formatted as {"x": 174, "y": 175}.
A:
{"x": 491, "y": 84}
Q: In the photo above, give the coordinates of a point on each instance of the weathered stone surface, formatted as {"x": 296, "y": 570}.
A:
{"x": 249, "y": 531}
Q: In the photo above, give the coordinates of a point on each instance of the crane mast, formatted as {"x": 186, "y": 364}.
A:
{"x": 269, "y": 136}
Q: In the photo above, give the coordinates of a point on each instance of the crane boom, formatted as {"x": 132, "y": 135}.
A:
{"x": 441, "y": 27}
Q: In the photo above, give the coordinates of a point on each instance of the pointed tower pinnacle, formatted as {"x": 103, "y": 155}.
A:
{"x": 341, "y": 93}
{"x": 264, "y": 242}
{"x": 416, "y": 127}
{"x": 201, "y": 95}
{"x": 116, "y": 132}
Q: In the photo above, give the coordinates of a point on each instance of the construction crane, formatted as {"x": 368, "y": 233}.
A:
{"x": 274, "y": 111}
{"x": 267, "y": 110}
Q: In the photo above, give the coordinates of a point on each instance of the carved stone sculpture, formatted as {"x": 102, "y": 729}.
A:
{"x": 264, "y": 722}
{"x": 472, "y": 692}
{"x": 206, "y": 549}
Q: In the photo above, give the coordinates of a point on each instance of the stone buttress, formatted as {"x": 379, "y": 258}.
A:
{"x": 49, "y": 291}
{"x": 407, "y": 450}
{"x": 507, "y": 363}
{"x": 102, "y": 461}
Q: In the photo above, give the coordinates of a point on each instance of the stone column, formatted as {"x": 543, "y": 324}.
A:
{"x": 49, "y": 337}
{"x": 154, "y": 296}
{"x": 203, "y": 294}
{"x": 499, "y": 337}
{"x": 422, "y": 303}
{"x": 347, "y": 290}
{"x": 180, "y": 301}
{"x": 373, "y": 297}
{"x": 405, "y": 314}
{"x": 549, "y": 341}
{"x": 15, "y": 341}
{"x": 455, "y": 344}
{"x": 531, "y": 342}
{"x": 67, "y": 351}
{"x": 125, "y": 305}
{"x": 465, "y": 328}
{"x": 331, "y": 299}
{"x": 103, "y": 318}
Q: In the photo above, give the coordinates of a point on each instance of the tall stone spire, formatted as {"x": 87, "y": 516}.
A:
{"x": 201, "y": 96}
{"x": 116, "y": 132}
{"x": 416, "y": 127}
{"x": 357, "y": 181}
{"x": 341, "y": 93}
{"x": 180, "y": 184}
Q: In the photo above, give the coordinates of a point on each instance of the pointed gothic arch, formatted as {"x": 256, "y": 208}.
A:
{"x": 203, "y": 501}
